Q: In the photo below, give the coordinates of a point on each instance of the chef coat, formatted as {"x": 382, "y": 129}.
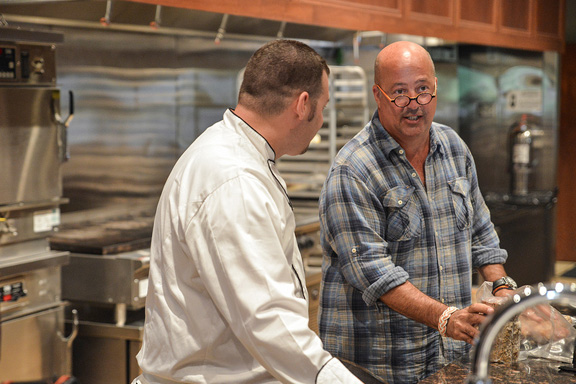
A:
{"x": 227, "y": 300}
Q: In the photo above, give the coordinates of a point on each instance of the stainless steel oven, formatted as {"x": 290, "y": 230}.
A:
{"x": 33, "y": 345}
{"x": 106, "y": 280}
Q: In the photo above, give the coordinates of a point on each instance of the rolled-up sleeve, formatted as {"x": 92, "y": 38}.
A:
{"x": 353, "y": 222}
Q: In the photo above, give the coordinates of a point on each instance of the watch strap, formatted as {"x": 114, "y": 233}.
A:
{"x": 505, "y": 282}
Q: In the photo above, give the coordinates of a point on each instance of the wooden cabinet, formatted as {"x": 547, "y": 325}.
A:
{"x": 440, "y": 11}
{"x": 515, "y": 16}
{"x": 476, "y": 17}
{"x": 524, "y": 24}
{"x": 538, "y": 18}
{"x": 549, "y": 17}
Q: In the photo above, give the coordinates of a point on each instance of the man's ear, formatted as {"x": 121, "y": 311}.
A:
{"x": 302, "y": 105}
{"x": 375, "y": 91}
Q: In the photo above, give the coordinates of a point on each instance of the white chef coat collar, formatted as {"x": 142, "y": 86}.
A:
{"x": 259, "y": 142}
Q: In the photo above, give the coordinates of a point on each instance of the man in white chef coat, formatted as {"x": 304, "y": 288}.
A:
{"x": 227, "y": 300}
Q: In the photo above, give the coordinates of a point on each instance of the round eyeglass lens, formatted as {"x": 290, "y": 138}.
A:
{"x": 422, "y": 99}
{"x": 402, "y": 101}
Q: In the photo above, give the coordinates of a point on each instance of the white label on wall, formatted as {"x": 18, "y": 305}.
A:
{"x": 45, "y": 221}
{"x": 524, "y": 101}
{"x": 142, "y": 287}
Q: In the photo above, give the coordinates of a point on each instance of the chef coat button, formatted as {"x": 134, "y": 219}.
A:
{"x": 441, "y": 268}
{"x": 353, "y": 250}
{"x": 442, "y": 300}
{"x": 414, "y": 174}
{"x": 401, "y": 151}
{"x": 400, "y": 202}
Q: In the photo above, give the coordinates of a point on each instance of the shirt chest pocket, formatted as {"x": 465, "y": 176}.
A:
{"x": 461, "y": 202}
{"x": 403, "y": 218}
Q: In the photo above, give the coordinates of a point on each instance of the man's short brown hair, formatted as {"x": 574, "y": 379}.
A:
{"x": 279, "y": 70}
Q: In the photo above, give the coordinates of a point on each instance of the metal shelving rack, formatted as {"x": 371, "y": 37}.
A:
{"x": 346, "y": 115}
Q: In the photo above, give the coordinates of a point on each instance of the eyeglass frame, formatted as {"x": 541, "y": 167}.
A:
{"x": 411, "y": 98}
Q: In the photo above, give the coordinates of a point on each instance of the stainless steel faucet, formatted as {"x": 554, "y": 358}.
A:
{"x": 559, "y": 293}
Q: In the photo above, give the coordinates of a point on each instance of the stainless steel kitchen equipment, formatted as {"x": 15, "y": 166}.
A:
{"x": 108, "y": 265}
{"x": 107, "y": 281}
{"x": 32, "y": 149}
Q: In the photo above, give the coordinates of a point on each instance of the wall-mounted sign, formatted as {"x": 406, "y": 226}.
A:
{"x": 528, "y": 100}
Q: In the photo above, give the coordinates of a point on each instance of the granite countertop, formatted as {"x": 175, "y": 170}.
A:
{"x": 529, "y": 371}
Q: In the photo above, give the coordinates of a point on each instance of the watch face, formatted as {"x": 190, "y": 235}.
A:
{"x": 508, "y": 280}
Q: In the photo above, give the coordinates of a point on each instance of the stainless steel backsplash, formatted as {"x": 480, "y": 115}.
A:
{"x": 137, "y": 107}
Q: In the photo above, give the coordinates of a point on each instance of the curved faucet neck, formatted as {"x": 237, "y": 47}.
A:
{"x": 528, "y": 297}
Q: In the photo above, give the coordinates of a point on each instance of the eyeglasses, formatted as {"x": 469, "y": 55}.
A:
{"x": 403, "y": 100}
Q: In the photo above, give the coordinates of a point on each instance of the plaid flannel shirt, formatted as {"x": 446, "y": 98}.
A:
{"x": 380, "y": 227}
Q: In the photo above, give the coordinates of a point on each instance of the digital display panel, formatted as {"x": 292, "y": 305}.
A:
{"x": 7, "y": 62}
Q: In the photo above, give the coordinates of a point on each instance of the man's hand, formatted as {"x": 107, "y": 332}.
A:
{"x": 463, "y": 324}
{"x": 544, "y": 324}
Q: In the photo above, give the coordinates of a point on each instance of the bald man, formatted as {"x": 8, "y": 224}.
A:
{"x": 403, "y": 225}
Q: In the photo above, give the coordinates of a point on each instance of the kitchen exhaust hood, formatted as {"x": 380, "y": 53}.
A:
{"x": 148, "y": 18}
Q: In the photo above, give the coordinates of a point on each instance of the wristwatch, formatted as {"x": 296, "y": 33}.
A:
{"x": 505, "y": 282}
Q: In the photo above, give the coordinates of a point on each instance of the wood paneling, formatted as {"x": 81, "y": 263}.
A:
{"x": 372, "y": 4}
{"x": 566, "y": 208}
{"x": 503, "y": 23}
{"x": 484, "y": 16}
{"x": 437, "y": 11}
{"x": 549, "y": 18}
{"x": 515, "y": 16}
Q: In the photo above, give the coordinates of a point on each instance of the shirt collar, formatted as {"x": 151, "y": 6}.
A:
{"x": 435, "y": 142}
{"x": 259, "y": 142}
